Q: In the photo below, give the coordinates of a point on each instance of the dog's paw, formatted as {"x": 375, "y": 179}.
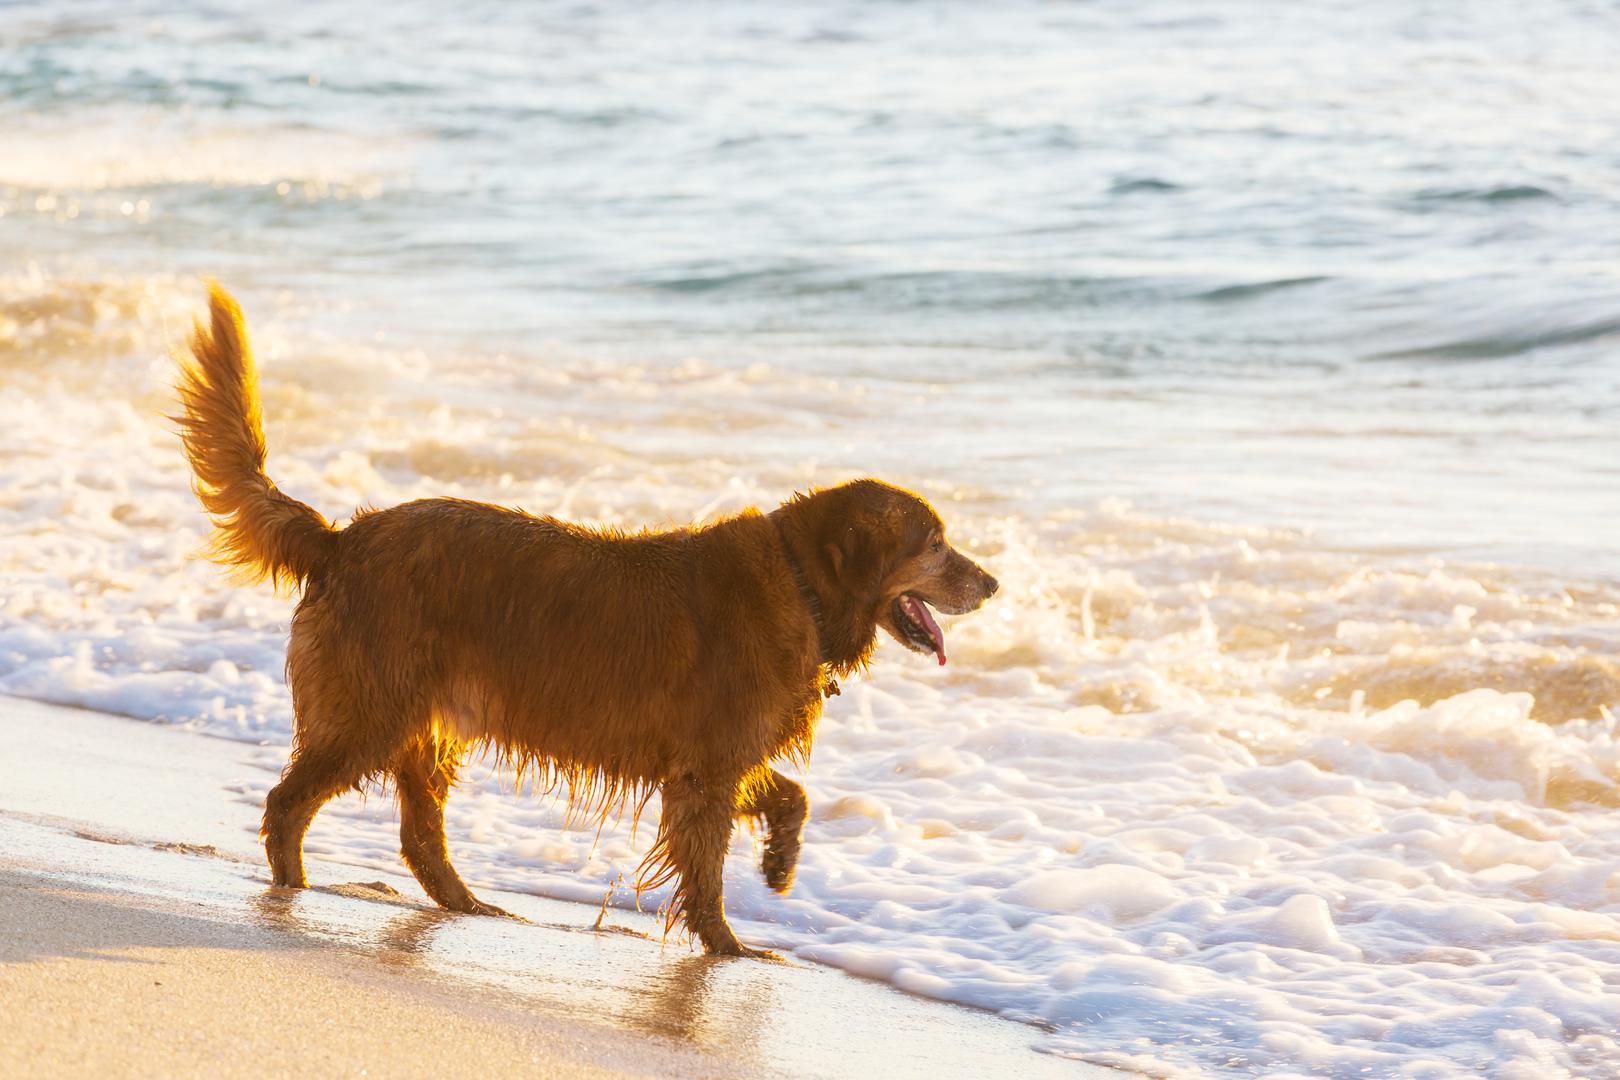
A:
{"x": 718, "y": 940}
{"x": 743, "y": 952}
{"x": 779, "y": 864}
{"x": 478, "y": 907}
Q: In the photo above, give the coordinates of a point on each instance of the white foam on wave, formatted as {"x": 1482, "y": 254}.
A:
{"x": 1195, "y": 796}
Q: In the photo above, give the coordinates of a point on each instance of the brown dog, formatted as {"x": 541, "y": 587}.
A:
{"x": 682, "y": 661}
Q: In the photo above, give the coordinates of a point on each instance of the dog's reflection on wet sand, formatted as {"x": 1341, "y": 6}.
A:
{"x": 694, "y": 999}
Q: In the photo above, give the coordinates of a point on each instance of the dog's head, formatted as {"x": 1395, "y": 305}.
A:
{"x": 887, "y": 550}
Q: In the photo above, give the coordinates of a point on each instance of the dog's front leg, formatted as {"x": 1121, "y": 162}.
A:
{"x": 781, "y": 803}
{"x": 693, "y": 835}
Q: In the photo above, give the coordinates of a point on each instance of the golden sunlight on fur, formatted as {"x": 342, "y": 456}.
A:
{"x": 612, "y": 664}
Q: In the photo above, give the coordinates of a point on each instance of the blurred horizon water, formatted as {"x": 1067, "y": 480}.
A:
{"x": 1270, "y": 356}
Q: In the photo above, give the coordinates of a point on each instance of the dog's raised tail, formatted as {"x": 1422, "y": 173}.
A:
{"x": 260, "y": 531}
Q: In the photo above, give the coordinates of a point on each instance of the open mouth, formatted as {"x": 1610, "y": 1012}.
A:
{"x": 917, "y": 626}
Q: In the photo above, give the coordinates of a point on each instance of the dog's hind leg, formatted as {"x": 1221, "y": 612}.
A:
{"x": 311, "y": 778}
{"x": 782, "y": 804}
{"x": 694, "y": 832}
{"x": 336, "y": 745}
{"x": 424, "y": 773}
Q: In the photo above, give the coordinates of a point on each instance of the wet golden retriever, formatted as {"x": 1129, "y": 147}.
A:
{"x": 682, "y": 662}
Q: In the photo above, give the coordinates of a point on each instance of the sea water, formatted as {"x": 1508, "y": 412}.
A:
{"x": 1269, "y": 356}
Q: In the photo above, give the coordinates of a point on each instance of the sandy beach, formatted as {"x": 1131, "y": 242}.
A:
{"x": 141, "y": 938}
{"x": 122, "y": 985}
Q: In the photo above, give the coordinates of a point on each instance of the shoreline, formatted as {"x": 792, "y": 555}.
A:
{"x": 142, "y": 935}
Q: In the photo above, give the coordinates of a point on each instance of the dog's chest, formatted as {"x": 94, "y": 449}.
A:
{"x": 797, "y": 727}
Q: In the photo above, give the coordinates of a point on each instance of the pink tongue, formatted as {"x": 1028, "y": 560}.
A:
{"x": 925, "y": 618}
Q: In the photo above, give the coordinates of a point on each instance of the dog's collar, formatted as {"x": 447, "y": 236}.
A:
{"x": 811, "y": 600}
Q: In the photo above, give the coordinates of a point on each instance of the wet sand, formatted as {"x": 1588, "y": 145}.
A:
{"x": 107, "y": 984}
{"x": 139, "y": 936}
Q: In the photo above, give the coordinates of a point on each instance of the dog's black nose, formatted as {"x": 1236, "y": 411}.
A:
{"x": 990, "y": 586}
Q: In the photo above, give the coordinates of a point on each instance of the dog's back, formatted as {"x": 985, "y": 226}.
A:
{"x": 546, "y": 640}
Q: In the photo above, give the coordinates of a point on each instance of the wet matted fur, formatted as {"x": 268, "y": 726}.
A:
{"x": 614, "y": 664}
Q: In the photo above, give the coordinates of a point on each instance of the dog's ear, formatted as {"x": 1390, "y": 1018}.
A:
{"x": 859, "y": 560}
